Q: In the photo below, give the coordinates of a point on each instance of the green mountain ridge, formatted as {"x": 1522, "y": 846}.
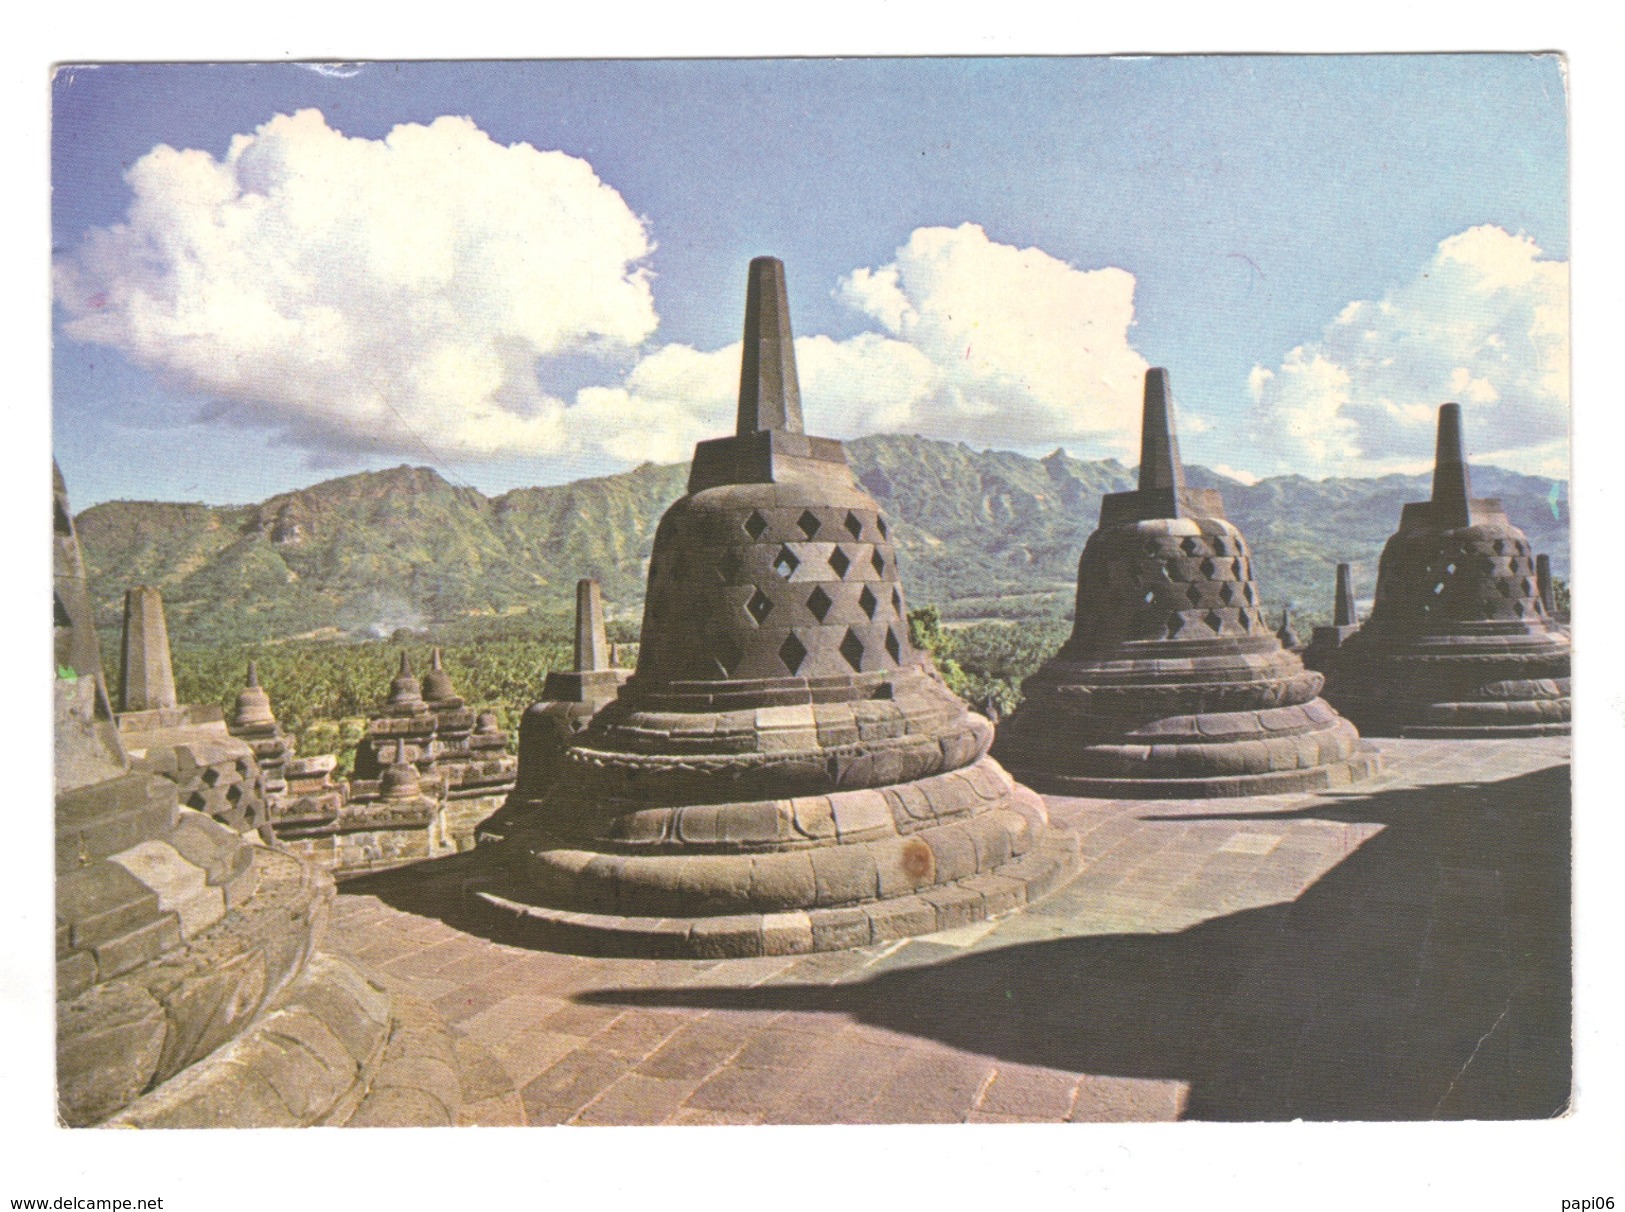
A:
{"x": 980, "y": 533}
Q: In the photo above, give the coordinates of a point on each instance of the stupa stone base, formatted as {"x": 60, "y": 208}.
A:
{"x": 784, "y": 877}
{"x": 1360, "y": 765}
{"x": 1458, "y": 697}
{"x": 184, "y": 943}
{"x": 339, "y": 1048}
{"x": 1245, "y": 720}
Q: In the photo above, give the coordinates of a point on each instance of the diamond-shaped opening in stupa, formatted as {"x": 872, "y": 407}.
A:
{"x": 897, "y": 601}
{"x": 852, "y": 650}
{"x": 868, "y": 602}
{"x": 755, "y": 525}
{"x": 1209, "y": 568}
{"x": 854, "y": 525}
{"x": 759, "y": 606}
{"x": 1227, "y": 592}
{"x": 880, "y": 525}
{"x": 1191, "y": 545}
{"x": 819, "y": 603}
{"x": 792, "y": 652}
{"x": 808, "y": 522}
{"x": 840, "y": 562}
{"x": 878, "y": 563}
{"x": 1194, "y": 593}
{"x": 786, "y": 562}
{"x": 1214, "y": 620}
{"x": 893, "y": 646}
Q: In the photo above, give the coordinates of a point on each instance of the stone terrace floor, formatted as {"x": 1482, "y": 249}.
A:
{"x": 1397, "y": 950}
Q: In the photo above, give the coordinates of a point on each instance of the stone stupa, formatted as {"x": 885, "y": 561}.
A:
{"x": 1459, "y": 642}
{"x": 570, "y": 698}
{"x": 1172, "y": 684}
{"x": 1325, "y": 640}
{"x": 783, "y": 772}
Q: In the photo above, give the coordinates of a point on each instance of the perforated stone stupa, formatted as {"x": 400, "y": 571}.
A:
{"x": 1325, "y": 640}
{"x": 570, "y": 698}
{"x": 1459, "y": 642}
{"x": 783, "y": 772}
{"x": 1172, "y": 683}
{"x": 188, "y": 743}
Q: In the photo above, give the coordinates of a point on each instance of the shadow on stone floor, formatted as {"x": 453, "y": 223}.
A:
{"x": 1426, "y": 976}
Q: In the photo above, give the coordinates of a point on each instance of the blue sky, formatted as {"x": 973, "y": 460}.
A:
{"x": 1320, "y": 249}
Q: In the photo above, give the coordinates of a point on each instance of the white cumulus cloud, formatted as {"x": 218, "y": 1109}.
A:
{"x": 367, "y": 294}
{"x": 1021, "y": 347}
{"x": 1484, "y": 323}
{"x": 981, "y": 342}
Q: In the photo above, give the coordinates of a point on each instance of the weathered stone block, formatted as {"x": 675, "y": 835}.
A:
{"x": 860, "y": 814}
{"x": 901, "y": 918}
{"x": 844, "y": 874}
{"x": 787, "y": 933}
{"x": 814, "y": 816}
{"x": 139, "y": 946}
{"x": 107, "y": 1050}
{"x": 724, "y": 937}
{"x": 838, "y": 929}
{"x": 783, "y": 880}
{"x": 954, "y": 853}
{"x": 103, "y": 901}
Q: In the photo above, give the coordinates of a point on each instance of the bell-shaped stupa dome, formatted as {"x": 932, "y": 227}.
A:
{"x": 1172, "y": 683}
{"x": 783, "y": 772}
{"x": 1460, "y": 641}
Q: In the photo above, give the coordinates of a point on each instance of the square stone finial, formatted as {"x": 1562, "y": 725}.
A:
{"x": 1162, "y": 491}
{"x": 1543, "y": 579}
{"x": 1160, "y": 467}
{"x": 1343, "y": 608}
{"x": 149, "y": 675}
{"x": 769, "y": 394}
{"x": 770, "y": 442}
{"x": 1452, "y": 492}
{"x": 592, "y": 640}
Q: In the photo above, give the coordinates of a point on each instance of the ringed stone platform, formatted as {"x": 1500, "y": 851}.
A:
{"x": 1172, "y": 683}
{"x": 783, "y": 773}
{"x": 1460, "y": 642}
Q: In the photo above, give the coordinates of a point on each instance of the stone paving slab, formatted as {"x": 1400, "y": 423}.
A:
{"x": 1396, "y": 950}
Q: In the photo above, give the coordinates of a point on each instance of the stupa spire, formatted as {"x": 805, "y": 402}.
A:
{"x": 1543, "y": 581}
{"x": 1160, "y": 467}
{"x": 1343, "y": 608}
{"x": 592, "y": 641}
{"x": 769, "y": 394}
{"x": 149, "y": 676}
{"x": 1452, "y": 488}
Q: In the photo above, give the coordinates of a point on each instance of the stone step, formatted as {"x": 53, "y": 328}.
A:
{"x": 102, "y": 902}
{"x": 97, "y": 821}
